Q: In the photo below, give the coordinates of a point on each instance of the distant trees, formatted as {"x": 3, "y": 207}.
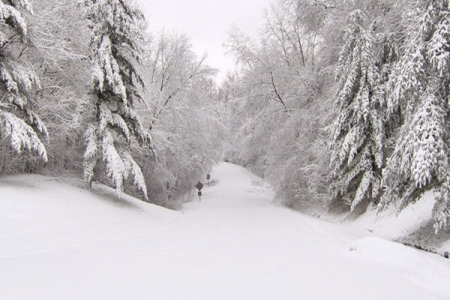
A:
{"x": 59, "y": 54}
{"x": 281, "y": 98}
{"x": 185, "y": 117}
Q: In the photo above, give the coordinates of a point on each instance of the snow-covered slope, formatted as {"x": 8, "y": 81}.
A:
{"x": 62, "y": 242}
{"x": 412, "y": 226}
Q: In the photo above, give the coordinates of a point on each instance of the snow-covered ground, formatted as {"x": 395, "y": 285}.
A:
{"x": 63, "y": 242}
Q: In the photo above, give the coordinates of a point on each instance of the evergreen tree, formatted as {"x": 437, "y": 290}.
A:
{"x": 420, "y": 92}
{"x": 358, "y": 132}
{"x": 18, "y": 122}
{"x": 116, "y": 47}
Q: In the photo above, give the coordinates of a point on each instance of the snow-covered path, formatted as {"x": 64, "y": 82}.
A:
{"x": 59, "y": 242}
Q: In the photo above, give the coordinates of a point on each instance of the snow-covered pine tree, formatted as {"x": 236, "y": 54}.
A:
{"x": 19, "y": 124}
{"x": 420, "y": 91}
{"x": 116, "y": 47}
{"x": 358, "y": 132}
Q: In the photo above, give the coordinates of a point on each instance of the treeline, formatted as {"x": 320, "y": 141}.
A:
{"x": 344, "y": 105}
{"x": 87, "y": 90}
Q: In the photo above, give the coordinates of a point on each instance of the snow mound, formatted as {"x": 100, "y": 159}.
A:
{"x": 412, "y": 226}
{"x": 388, "y": 252}
{"x": 416, "y": 264}
{"x": 44, "y": 214}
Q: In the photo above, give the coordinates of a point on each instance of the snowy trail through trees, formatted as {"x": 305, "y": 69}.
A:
{"x": 60, "y": 242}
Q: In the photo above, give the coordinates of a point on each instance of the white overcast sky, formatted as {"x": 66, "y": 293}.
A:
{"x": 206, "y": 23}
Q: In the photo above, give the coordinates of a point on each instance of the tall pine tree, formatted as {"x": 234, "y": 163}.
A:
{"x": 116, "y": 47}
{"x": 420, "y": 92}
{"x": 358, "y": 132}
{"x": 19, "y": 124}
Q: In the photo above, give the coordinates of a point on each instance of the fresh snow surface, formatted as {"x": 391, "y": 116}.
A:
{"x": 63, "y": 242}
{"x": 413, "y": 225}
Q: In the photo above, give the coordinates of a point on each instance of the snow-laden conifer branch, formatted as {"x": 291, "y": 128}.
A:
{"x": 8, "y": 12}
{"x": 20, "y": 134}
{"x": 420, "y": 88}
{"x": 18, "y": 77}
{"x": 19, "y": 122}
{"x": 133, "y": 168}
{"x": 25, "y": 4}
{"x": 357, "y": 135}
{"x": 91, "y": 153}
{"x": 438, "y": 49}
{"x": 107, "y": 72}
{"x": 115, "y": 166}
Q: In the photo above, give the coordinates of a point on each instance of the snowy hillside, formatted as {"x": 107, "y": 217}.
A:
{"x": 63, "y": 242}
